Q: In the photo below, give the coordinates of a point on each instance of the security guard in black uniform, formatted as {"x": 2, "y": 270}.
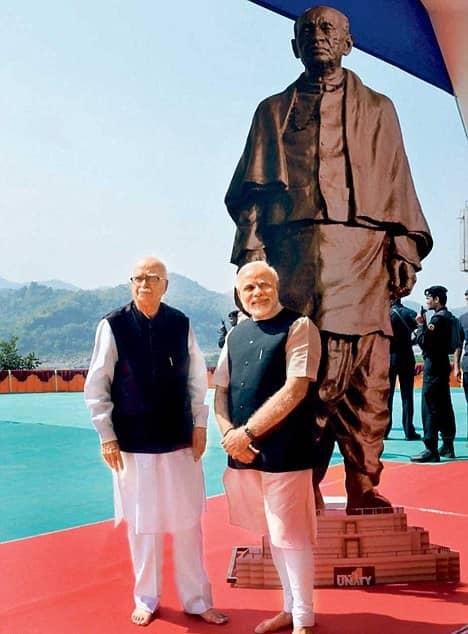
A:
{"x": 462, "y": 358}
{"x": 435, "y": 341}
{"x": 402, "y": 365}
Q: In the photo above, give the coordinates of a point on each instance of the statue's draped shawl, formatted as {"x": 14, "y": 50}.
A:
{"x": 382, "y": 186}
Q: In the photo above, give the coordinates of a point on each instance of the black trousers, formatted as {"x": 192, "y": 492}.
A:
{"x": 465, "y": 388}
{"x": 403, "y": 368}
{"x": 465, "y": 385}
{"x": 436, "y": 410}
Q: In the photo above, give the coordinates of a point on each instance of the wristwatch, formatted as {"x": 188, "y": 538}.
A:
{"x": 248, "y": 433}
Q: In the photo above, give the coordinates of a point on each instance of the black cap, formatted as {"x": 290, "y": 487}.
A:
{"x": 435, "y": 291}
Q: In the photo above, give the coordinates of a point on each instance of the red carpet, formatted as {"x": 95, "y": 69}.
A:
{"x": 79, "y": 581}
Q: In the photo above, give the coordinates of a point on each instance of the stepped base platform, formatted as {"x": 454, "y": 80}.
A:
{"x": 373, "y": 547}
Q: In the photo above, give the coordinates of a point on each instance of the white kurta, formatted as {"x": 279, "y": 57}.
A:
{"x": 154, "y": 493}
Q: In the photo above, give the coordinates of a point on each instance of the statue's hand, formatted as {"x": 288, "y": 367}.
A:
{"x": 402, "y": 278}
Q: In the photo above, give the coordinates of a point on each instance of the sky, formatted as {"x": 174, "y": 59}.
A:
{"x": 122, "y": 123}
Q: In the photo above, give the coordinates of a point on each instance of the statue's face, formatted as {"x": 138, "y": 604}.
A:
{"x": 322, "y": 38}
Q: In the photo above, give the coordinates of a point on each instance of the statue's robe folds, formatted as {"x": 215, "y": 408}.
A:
{"x": 382, "y": 189}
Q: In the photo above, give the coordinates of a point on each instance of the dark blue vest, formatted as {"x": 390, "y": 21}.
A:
{"x": 257, "y": 366}
{"x": 152, "y": 409}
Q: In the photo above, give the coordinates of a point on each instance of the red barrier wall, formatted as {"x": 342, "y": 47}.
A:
{"x": 15, "y": 381}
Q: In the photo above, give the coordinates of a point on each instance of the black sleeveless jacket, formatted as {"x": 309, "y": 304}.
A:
{"x": 257, "y": 366}
{"x": 152, "y": 409}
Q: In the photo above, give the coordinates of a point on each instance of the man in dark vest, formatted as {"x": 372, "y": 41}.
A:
{"x": 264, "y": 404}
{"x": 145, "y": 388}
{"x": 435, "y": 340}
{"x": 323, "y": 192}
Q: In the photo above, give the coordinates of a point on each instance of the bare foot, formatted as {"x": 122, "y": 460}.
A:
{"x": 213, "y": 616}
{"x": 304, "y": 629}
{"x": 141, "y": 617}
{"x": 280, "y": 621}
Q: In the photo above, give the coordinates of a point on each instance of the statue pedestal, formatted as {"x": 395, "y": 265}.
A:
{"x": 356, "y": 550}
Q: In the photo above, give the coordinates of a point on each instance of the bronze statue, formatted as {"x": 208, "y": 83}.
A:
{"x": 323, "y": 192}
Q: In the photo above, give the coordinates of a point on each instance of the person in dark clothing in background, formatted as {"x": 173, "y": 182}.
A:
{"x": 435, "y": 340}
{"x": 233, "y": 317}
{"x": 402, "y": 365}
{"x": 461, "y": 359}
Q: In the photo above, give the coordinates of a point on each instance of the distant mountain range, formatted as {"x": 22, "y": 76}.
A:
{"x": 58, "y": 323}
{"x": 51, "y": 283}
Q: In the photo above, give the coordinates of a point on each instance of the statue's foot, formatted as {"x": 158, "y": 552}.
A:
{"x": 372, "y": 499}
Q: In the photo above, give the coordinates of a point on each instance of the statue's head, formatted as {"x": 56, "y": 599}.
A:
{"x": 321, "y": 38}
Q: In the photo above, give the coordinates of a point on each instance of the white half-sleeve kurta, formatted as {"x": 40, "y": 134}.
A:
{"x": 155, "y": 493}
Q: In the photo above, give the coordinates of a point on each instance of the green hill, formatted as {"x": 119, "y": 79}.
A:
{"x": 59, "y": 324}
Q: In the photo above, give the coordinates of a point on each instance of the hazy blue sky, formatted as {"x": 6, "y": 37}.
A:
{"x": 122, "y": 123}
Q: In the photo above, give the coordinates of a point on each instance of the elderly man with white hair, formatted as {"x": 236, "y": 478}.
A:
{"x": 145, "y": 388}
{"x": 264, "y": 404}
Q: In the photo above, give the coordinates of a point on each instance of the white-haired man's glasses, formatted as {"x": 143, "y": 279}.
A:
{"x": 149, "y": 278}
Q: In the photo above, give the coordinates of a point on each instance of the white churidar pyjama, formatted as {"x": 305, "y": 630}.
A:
{"x": 296, "y": 572}
{"x": 158, "y": 494}
{"x": 191, "y": 580}
{"x": 282, "y": 506}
